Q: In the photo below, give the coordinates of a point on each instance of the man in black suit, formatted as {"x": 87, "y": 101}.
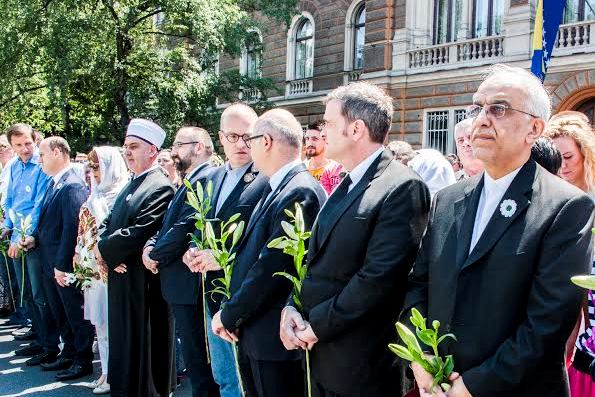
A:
{"x": 191, "y": 151}
{"x": 257, "y": 297}
{"x": 363, "y": 245}
{"x": 237, "y": 187}
{"x": 56, "y": 236}
{"x": 140, "y": 330}
{"x": 496, "y": 260}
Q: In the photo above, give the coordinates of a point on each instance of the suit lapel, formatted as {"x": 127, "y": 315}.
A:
{"x": 256, "y": 215}
{"x": 465, "y": 210}
{"x": 217, "y": 184}
{"x": 238, "y": 189}
{"x": 518, "y": 191}
{"x": 55, "y": 191}
{"x": 375, "y": 170}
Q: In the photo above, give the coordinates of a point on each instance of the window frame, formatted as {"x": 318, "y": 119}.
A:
{"x": 451, "y": 122}
{"x": 246, "y": 53}
{"x": 290, "y": 66}
{"x": 361, "y": 9}
{"x": 490, "y": 19}
{"x": 298, "y": 41}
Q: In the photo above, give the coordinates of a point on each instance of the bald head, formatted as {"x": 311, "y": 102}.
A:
{"x": 197, "y": 134}
{"x": 238, "y": 112}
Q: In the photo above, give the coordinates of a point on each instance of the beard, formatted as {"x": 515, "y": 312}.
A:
{"x": 312, "y": 152}
{"x": 182, "y": 164}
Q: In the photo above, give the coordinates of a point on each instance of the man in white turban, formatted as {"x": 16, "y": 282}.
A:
{"x": 140, "y": 332}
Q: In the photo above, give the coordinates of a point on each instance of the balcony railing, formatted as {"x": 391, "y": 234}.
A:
{"x": 463, "y": 53}
{"x": 575, "y": 38}
{"x": 250, "y": 94}
{"x": 299, "y": 87}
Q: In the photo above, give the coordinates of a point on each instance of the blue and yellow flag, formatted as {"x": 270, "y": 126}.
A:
{"x": 547, "y": 21}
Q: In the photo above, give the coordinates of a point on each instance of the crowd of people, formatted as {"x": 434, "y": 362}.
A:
{"x": 485, "y": 241}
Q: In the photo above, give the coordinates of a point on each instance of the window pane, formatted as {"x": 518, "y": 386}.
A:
{"x": 570, "y": 11}
{"x": 358, "y": 59}
{"x": 498, "y": 13}
{"x": 458, "y": 18}
{"x": 309, "y": 68}
{"x": 589, "y": 10}
{"x": 437, "y": 134}
{"x": 305, "y": 29}
{"x": 481, "y": 18}
{"x": 304, "y": 59}
{"x": 442, "y": 22}
{"x": 361, "y": 18}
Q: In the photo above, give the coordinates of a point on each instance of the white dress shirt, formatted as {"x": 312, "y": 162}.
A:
{"x": 491, "y": 196}
{"x": 232, "y": 178}
{"x": 59, "y": 175}
{"x": 276, "y": 179}
{"x": 358, "y": 172}
{"x": 146, "y": 171}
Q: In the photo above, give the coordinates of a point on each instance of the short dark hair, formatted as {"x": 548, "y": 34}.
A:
{"x": 317, "y": 125}
{"x": 366, "y": 102}
{"x": 20, "y": 129}
{"x": 57, "y": 142}
{"x": 546, "y": 154}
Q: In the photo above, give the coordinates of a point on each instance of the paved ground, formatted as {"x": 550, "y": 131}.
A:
{"x": 16, "y": 379}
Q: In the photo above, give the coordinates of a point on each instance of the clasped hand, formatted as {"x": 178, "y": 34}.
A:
{"x": 294, "y": 331}
{"x": 200, "y": 261}
{"x": 424, "y": 381}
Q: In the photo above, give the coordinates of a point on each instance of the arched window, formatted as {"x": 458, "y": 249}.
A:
{"x": 251, "y": 61}
{"x": 359, "y": 37}
{"x": 304, "y": 49}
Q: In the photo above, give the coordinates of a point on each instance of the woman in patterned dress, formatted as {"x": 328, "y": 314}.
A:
{"x": 109, "y": 176}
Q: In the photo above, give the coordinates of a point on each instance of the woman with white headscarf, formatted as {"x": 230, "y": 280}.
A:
{"x": 109, "y": 177}
{"x": 433, "y": 168}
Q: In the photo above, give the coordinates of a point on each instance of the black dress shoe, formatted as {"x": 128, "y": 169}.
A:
{"x": 60, "y": 364}
{"x": 29, "y": 335}
{"x": 74, "y": 372}
{"x": 27, "y": 351}
{"x": 43, "y": 358}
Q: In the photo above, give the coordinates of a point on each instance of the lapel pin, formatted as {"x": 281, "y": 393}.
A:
{"x": 508, "y": 208}
{"x": 28, "y": 189}
{"x": 249, "y": 177}
{"x": 128, "y": 197}
{"x": 59, "y": 186}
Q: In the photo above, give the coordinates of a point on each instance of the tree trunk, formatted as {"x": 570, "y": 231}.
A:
{"x": 123, "y": 48}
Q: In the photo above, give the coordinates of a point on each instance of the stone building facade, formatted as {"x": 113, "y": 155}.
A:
{"x": 428, "y": 54}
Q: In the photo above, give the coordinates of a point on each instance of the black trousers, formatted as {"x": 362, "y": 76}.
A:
{"x": 66, "y": 304}
{"x": 271, "y": 378}
{"x": 190, "y": 326}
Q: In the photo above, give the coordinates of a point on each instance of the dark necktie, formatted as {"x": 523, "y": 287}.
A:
{"x": 48, "y": 192}
{"x": 329, "y": 207}
{"x": 256, "y": 213}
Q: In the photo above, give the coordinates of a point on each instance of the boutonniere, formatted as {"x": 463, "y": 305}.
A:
{"x": 249, "y": 177}
{"x": 508, "y": 208}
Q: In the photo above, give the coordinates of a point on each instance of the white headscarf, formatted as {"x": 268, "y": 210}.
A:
{"x": 433, "y": 169}
{"x": 114, "y": 175}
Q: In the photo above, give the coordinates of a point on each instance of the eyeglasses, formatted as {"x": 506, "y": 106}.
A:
{"x": 249, "y": 139}
{"x": 232, "y": 137}
{"x": 497, "y": 110}
{"x": 180, "y": 144}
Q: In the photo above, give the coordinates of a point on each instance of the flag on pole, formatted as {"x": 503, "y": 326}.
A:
{"x": 547, "y": 21}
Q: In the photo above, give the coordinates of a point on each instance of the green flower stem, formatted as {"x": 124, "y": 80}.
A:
{"x": 309, "y": 382}
{"x": 204, "y": 315}
{"x": 235, "y": 357}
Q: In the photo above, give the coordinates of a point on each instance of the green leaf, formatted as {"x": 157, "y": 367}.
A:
{"x": 436, "y": 325}
{"x": 426, "y": 336}
{"x": 400, "y": 351}
{"x": 443, "y": 337}
{"x": 584, "y": 281}
{"x": 449, "y": 365}
{"x": 234, "y": 218}
{"x": 409, "y": 338}
{"x": 237, "y": 234}
{"x": 288, "y": 229}
{"x": 288, "y": 276}
{"x": 417, "y": 319}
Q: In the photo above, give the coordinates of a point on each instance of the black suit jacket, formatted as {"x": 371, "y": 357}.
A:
{"x": 241, "y": 200}
{"x": 179, "y": 285}
{"x": 257, "y": 297}
{"x": 57, "y": 230}
{"x": 510, "y": 301}
{"x": 357, "y": 278}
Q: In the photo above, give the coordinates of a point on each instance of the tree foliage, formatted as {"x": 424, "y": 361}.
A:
{"x": 83, "y": 68}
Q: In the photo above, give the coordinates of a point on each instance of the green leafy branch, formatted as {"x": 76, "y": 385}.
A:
{"x": 440, "y": 368}
{"x": 294, "y": 244}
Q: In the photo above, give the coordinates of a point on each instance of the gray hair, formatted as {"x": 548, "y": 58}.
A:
{"x": 282, "y": 125}
{"x": 239, "y": 110}
{"x": 57, "y": 142}
{"x": 538, "y": 100}
{"x": 368, "y": 103}
{"x": 465, "y": 123}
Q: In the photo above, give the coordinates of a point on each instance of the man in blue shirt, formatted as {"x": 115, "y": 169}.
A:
{"x": 24, "y": 197}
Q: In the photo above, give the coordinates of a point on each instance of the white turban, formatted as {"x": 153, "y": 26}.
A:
{"x": 147, "y": 131}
